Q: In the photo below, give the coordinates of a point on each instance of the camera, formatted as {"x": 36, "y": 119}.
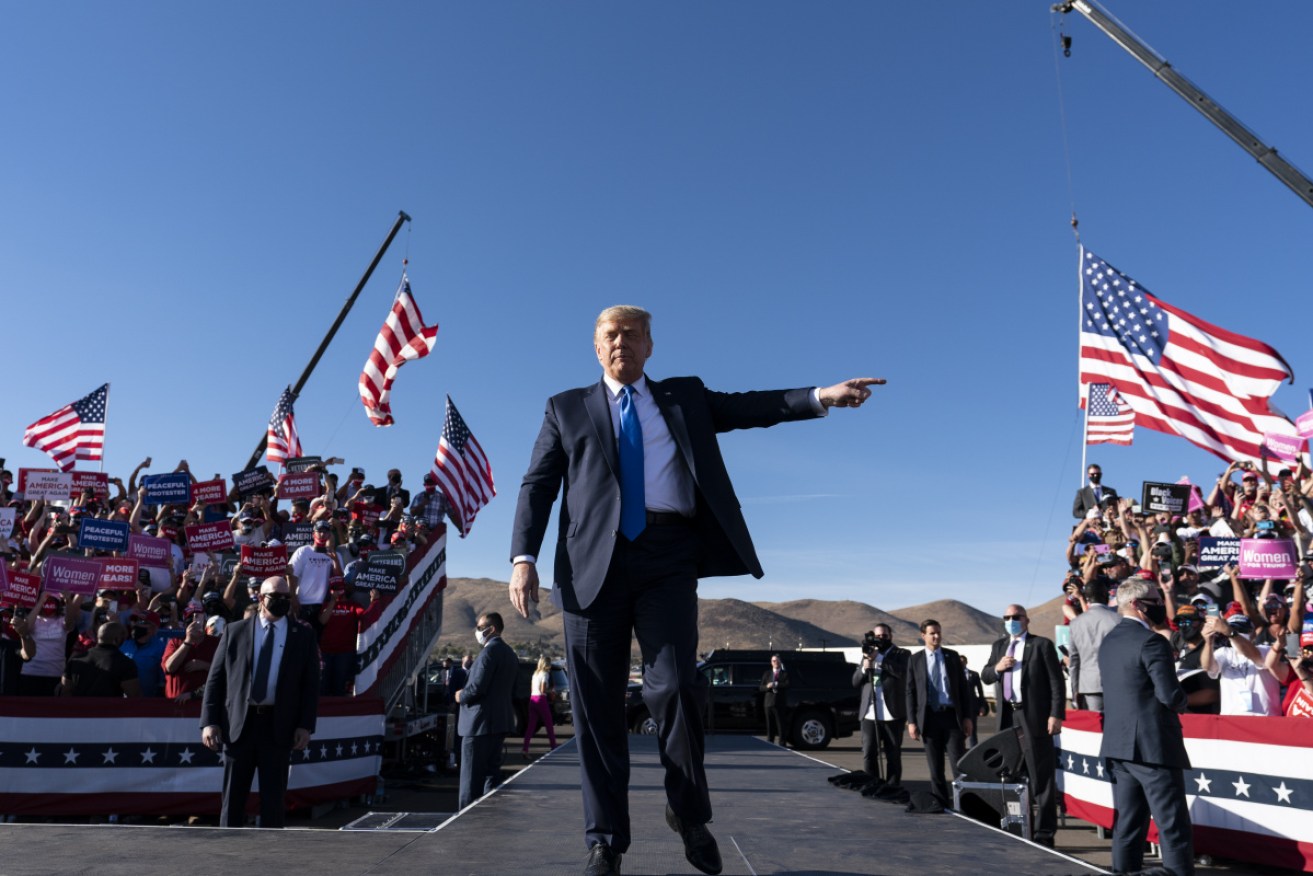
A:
{"x": 868, "y": 644}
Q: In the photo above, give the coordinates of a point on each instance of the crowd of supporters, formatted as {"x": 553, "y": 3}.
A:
{"x": 157, "y": 639}
{"x": 1244, "y": 646}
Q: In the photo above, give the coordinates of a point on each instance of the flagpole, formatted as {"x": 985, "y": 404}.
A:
{"x": 1080, "y": 315}
{"x": 402, "y": 218}
{"x": 1085, "y": 436}
{"x": 105, "y": 429}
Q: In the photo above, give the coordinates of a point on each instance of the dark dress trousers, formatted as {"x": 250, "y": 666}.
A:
{"x": 775, "y": 702}
{"x": 486, "y": 716}
{"x": 940, "y": 729}
{"x": 612, "y": 589}
{"x": 259, "y": 738}
{"x": 1043, "y": 695}
{"x": 1144, "y": 747}
{"x": 884, "y": 737}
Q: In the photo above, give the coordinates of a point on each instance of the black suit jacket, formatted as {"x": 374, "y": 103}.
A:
{"x": 485, "y": 700}
{"x": 893, "y": 684}
{"x": 576, "y": 450}
{"x": 918, "y": 696}
{"x": 228, "y": 687}
{"x": 775, "y": 697}
{"x": 1085, "y": 500}
{"x": 1043, "y": 688}
{"x": 1141, "y": 698}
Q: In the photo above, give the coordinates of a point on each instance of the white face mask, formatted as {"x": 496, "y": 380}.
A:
{"x": 482, "y": 636}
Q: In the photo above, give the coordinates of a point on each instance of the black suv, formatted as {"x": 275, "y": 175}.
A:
{"x": 822, "y": 700}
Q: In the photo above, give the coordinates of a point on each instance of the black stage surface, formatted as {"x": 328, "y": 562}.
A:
{"x": 775, "y": 813}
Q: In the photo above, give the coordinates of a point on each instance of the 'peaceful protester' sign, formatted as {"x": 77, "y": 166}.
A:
{"x": 103, "y": 535}
{"x": 168, "y": 489}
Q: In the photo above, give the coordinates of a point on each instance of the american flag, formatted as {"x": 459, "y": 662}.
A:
{"x": 463, "y": 472}
{"x": 1180, "y": 375}
{"x": 403, "y": 337}
{"x": 284, "y": 443}
{"x": 73, "y": 432}
{"x": 1110, "y": 419}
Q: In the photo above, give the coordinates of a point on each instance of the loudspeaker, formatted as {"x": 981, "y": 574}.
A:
{"x": 1000, "y": 758}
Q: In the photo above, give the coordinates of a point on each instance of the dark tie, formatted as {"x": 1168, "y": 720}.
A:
{"x": 260, "y": 683}
{"x": 633, "y": 504}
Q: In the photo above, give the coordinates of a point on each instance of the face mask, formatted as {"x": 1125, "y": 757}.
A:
{"x": 882, "y": 643}
{"x": 1013, "y": 627}
{"x": 1154, "y": 612}
{"x": 278, "y": 605}
{"x": 1096, "y": 477}
{"x": 1190, "y": 631}
{"x": 140, "y": 632}
{"x": 482, "y": 636}
{"x": 430, "y": 489}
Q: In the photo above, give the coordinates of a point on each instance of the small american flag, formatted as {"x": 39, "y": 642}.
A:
{"x": 463, "y": 472}
{"x": 73, "y": 432}
{"x": 402, "y": 338}
{"x": 284, "y": 443}
{"x": 1110, "y": 420}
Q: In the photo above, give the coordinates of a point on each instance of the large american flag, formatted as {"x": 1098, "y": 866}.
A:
{"x": 73, "y": 432}
{"x": 284, "y": 443}
{"x": 463, "y": 472}
{"x": 1110, "y": 419}
{"x": 1180, "y": 375}
{"x": 402, "y": 338}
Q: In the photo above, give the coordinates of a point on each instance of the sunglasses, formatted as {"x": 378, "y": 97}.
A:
{"x": 1014, "y": 617}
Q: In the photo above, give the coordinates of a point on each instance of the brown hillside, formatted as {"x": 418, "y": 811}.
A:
{"x": 850, "y": 618}
{"x": 962, "y": 624}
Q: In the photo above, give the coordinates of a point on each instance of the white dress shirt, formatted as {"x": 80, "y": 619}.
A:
{"x": 1018, "y": 654}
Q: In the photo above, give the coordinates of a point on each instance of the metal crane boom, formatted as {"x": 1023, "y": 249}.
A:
{"x": 1264, "y": 154}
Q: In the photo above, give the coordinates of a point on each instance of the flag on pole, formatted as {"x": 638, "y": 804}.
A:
{"x": 1180, "y": 374}
{"x": 1110, "y": 419}
{"x": 284, "y": 443}
{"x": 402, "y": 338}
{"x": 463, "y": 472}
{"x": 75, "y": 431}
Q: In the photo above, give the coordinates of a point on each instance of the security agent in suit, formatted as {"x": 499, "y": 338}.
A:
{"x": 486, "y": 714}
{"x": 258, "y": 730}
{"x": 629, "y": 566}
{"x": 882, "y": 678}
{"x": 1031, "y": 692}
{"x": 1143, "y": 746}
{"x": 775, "y": 698}
{"x": 937, "y": 706}
{"x": 1096, "y": 495}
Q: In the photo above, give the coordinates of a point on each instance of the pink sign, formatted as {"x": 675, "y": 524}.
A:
{"x": 209, "y": 492}
{"x": 151, "y": 551}
{"x": 1267, "y": 558}
{"x": 70, "y": 574}
{"x": 1283, "y": 447}
{"x": 1304, "y": 424}
{"x": 118, "y": 573}
{"x": 20, "y": 588}
{"x": 299, "y": 485}
{"x": 264, "y": 560}
{"x": 209, "y": 537}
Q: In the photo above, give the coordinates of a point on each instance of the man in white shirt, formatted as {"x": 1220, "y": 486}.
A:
{"x": 309, "y": 570}
{"x": 1250, "y": 674}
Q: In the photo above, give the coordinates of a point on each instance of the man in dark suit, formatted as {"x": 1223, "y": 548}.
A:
{"x": 1142, "y": 740}
{"x": 882, "y": 678}
{"x": 1031, "y": 692}
{"x": 647, "y": 509}
{"x": 936, "y": 705}
{"x": 261, "y": 701}
{"x": 775, "y": 700}
{"x": 486, "y": 714}
{"x": 1096, "y": 495}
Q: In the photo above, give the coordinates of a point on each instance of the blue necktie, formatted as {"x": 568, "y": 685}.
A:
{"x": 260, "y": 683}
{"x": 633, "y": 505}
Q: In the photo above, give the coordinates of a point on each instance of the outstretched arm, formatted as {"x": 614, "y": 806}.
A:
{"x": 849, "y": 393}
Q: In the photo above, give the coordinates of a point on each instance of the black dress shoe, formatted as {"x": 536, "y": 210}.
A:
{"x": 602, "y": 861}
{"x": 699, "y": 845}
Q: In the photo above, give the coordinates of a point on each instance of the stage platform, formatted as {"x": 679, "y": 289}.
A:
{"x": 775, "y": 813}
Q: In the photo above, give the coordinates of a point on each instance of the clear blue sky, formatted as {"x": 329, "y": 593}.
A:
{"x": 799, "y": 192}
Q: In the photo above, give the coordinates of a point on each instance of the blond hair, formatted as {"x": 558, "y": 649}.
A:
{"x": 625, "y": 311}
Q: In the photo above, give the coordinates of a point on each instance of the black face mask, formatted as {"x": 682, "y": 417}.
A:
{"x": 140, "y": 632}
{"x": 1095, "y": 478}
{"x": 278, "y": 605}
{"x": 883, "y": 643}
{"x": 1154, "y": 612}
{"x": 1191, "y": 631}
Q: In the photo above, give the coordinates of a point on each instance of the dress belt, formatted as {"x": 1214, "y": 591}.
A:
{"x": 667, "y": 518}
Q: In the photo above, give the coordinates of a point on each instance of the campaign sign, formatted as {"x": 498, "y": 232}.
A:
{"x": 381, "y": 572}
{"x": 227, "y": 565}
{"x": 71, "y": 574}
{"x": 1283, "y": 447}
{"x": 20, "y": 588}
{"x": 299, "y": 485}
{"x": 1172, "y": 498}
{"x": 118, "y": 573}
{"x": 210, "y": 492}
{"x": 1217, "y": 552}
{"x": 8, "y": 516}
{"x": 56, "y": 486}
{"x": 366, "y": 513}
{"x": 168, "y": 489}
{"x": 264, "y": 561}
{"x": 301, "y": 463}
{"x": 1304, "y": 424}
{"x": 252, "y": 481}
{"x": 103, "y": 535}
{"x": 151, "y": 551}
{"x": 207, "y": 537}
{"x": 1268, "y": 558}
{"x": 296, "y": 535}
{"x": 97, "y": 481}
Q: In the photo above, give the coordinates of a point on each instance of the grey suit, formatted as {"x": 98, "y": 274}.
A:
{"x": 1085, "y": 499}
{"x": 486, "y": 716}
{"x": 1087, "y": 633}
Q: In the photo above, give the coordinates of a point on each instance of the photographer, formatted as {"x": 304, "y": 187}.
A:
{"x": 882, "y": 678}
{"x": 1250, "y": 675}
